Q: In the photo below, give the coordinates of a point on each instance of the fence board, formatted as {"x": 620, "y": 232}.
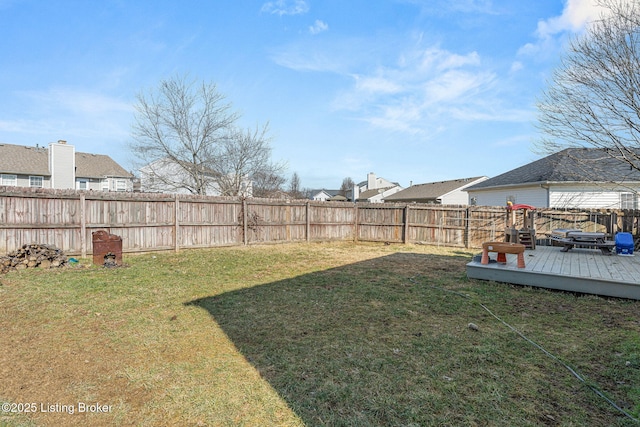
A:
{"x": 150, "y": 222}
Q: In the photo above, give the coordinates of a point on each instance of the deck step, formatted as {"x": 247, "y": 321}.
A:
{"x": 525, "y": 238}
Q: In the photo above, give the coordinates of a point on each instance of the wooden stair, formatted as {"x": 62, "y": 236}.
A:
{"x": 526, "y": 238}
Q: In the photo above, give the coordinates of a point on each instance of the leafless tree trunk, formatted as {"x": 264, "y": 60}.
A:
{"x": 186, "y": 136}
{"x": 347, "y": 186}
{"x": 242, "y": 155}
{"x": 176, "y": 129}
{"x": 295, "y": 190}
{"x": 267, "y": 184}
{"x": 593, "y": 100}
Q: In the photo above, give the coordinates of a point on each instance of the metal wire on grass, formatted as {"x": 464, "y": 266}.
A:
{"x": 538, "y": 346}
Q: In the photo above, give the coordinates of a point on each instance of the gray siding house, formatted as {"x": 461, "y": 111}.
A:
{"x": 571, "y": 178}
{"x": 60, "y": 166}
{"x": 324, "y": 195}
{"x": 452, "y": 192}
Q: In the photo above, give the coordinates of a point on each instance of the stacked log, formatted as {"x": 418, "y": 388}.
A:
{"x": 33, "y": 256}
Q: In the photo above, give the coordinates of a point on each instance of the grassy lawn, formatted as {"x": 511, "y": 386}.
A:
{"x": 309, "y": 334}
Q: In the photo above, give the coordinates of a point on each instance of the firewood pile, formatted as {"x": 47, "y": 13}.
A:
{"x": 32, "y": 256}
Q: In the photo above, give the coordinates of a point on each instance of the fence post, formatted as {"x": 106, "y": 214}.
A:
{"x": 308, "y": 222}
{"x": 467, "y": 227}
{"x": 356, "y": 222}
{"x": 245, "y": 228}
{"x": 405, "y": 228}
{"x": 287, "y": 226}
{"x": 83, "y": 227}
{"x": 176, "y": 226}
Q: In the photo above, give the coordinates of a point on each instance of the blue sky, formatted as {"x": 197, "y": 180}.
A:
{"x": 413, "y": 90}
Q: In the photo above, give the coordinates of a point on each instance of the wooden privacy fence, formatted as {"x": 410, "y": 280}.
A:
{"x": 153, "y": 222}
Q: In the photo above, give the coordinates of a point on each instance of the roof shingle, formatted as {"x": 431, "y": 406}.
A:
{"x": 430, "y": 190}
{"x": 24, "y": 160}
{"x": 568, "y": 165}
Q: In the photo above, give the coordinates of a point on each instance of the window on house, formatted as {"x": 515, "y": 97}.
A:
{"x": 82, "y": 184}
{"x": 105, "y": 185}
{"x": 628, "y": 201}
{"x": 36, "y": 181}
{"x": 121, "y": 185}
{"x": 6, "y": 179}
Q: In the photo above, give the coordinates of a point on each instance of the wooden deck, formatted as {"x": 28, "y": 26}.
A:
{"x": 579, "y": 270}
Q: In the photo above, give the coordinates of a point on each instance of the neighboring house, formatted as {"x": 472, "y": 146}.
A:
{"x": 450, "y": 192}
{"x": 571, "y": 178}
{"x": 167, "y": 176}
{"x": 324, "y": 195}
{"x": 60, "y": 166}
{"x": 374, "y": 190}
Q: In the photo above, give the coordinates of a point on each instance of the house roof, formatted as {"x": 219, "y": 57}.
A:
{"x": 431, "y": 190}
{"x": 330, "y": 193}
{"x": 366, "y": 182}
{"x": 568, "y": 165}
{"x": 98, "y": 165}
{"x": 365, "y": 195}
{"x": 24, "y": 160}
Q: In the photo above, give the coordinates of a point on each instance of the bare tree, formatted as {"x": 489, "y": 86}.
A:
{"x": 186, "y": 136}
{"x": 347, "y": 186}
{"x": 241, "y": 157}
{"x": 267, "y": 184}
{"x": 593, "y": 100}
{"x": 176, "y": 128}
{"x": 295, "y": 190}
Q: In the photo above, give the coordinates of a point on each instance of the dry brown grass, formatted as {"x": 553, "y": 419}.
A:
{"x": 311, "y": 334}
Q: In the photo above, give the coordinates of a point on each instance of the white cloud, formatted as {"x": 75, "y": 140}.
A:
{"x": 321, "y": 55}
{"x": 575, "y": 17}
{"x": 455, "y": 85}
{"x": 437, "y": 59}
{"x": 513, "y": 141}
{"x": 318, "y": 27}
{"x": 448, "y": 6}
{"x": 285, "y": 7}
{"x": 78, "y": 102}
{"x": 376, "y": 85}
{"x": 413, "y": 89}
{"x": 423, "y": 92}
{"x": 70, "y": 114}
{"x": 15, "y": 126}
{"x": 306, "y": 61}
{"x": 402, "y": 117}
{"x": 516, "y": 66}
{"x": 577, "y": 14}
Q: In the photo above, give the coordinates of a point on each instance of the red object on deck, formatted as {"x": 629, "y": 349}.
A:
{"x": 520, "y": 206}
{"x": 503, "y": 248}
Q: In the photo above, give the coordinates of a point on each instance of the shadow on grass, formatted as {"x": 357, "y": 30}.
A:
{"x": 359, "y": 344}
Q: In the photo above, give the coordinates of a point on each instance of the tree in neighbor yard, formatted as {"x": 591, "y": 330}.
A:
{"x": 185, "y": 134}
{"x": 593, "y": 99}
{"x": 244, "y": 156}
{"x": 295, "y": 191}
{"x": 267, "y": 184}
{"x": 346, "y": 186}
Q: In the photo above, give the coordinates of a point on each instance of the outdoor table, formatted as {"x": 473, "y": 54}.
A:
{"x": 571, "y": 238}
